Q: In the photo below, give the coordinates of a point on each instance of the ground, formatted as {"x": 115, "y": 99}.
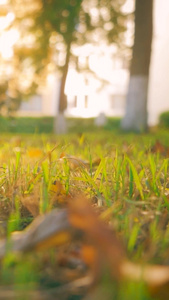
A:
{"x": 91, "y": 208}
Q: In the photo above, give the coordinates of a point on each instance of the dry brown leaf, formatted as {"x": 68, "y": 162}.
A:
{"x": 96, "y": 162}
{"x": 57, "y": 187}
{"x": 159, "y": 148}
{"x": 88, "y": 254}
{"x": 59, "y": 194}
{"x": 76, "y": 162}
{"x": 45, "y": 231}
{"x": 31, "y": 203}
{"x": 100, "y": 244}
{"x": 109, "y": 247}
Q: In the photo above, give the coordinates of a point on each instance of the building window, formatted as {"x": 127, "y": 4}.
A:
{"x": 86, "y": 101}
{"x": 75, "y": 101}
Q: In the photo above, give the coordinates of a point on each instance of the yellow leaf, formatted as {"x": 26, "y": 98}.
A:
{"x": 35, "y": 153}
{"x": 57, "y": 188}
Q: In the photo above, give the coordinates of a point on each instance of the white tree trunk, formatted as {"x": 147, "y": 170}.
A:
{"x": 136, "y": 105}
{"x": 60, "y": 124}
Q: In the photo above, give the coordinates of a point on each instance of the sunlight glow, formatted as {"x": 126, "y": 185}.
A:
{"x": 88, "y": 92}
{"x": 7, "y": 40}
{"x": 3, "y": 2}
{"x": 5, "y": 21}
{"x": 128, "y": 6}
{"x": 8, "y": 37}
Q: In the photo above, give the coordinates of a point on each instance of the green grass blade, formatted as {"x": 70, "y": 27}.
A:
{"x": 136, "y": 178}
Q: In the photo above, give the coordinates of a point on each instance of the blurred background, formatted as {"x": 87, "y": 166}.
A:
{"x": 72, "y": 58}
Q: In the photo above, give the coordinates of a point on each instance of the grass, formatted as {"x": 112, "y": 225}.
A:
{"x": 45, "y": 125}
{"x": 126, "y": 180}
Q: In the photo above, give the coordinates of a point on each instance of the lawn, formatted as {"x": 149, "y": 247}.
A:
{"x": 84, "y": 216}
{"x": 39, "y": 125}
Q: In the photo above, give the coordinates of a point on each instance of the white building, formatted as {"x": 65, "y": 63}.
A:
{"x": 87, "y": 96}
{"x": 159, "y": 71}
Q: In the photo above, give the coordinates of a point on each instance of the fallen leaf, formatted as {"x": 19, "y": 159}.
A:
{"x": 57, "y": 187}
{"x": 100, "y": 245}
{"x": 158, "y": 147}
{"x": 83, "y": 217}
{"x": 75, "y": 162}
{"x": 52, "y": 227}
{"x": 58, "y": 193}
{"x": 35, "y": 153}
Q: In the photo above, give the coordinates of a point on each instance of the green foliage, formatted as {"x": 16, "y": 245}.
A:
{"x": 9, "y": 100}
{"x": 164, "y": 119}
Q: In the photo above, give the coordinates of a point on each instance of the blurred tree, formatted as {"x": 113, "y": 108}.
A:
{"x": 136, "y": 106}
{"x": 11, "y": 71}
{"x": 9, "y": 102}
{"x": 51, "y": 29}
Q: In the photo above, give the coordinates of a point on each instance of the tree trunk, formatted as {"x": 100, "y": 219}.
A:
{"x": 60, "y": 126}
{"x": 136, "y": 116}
